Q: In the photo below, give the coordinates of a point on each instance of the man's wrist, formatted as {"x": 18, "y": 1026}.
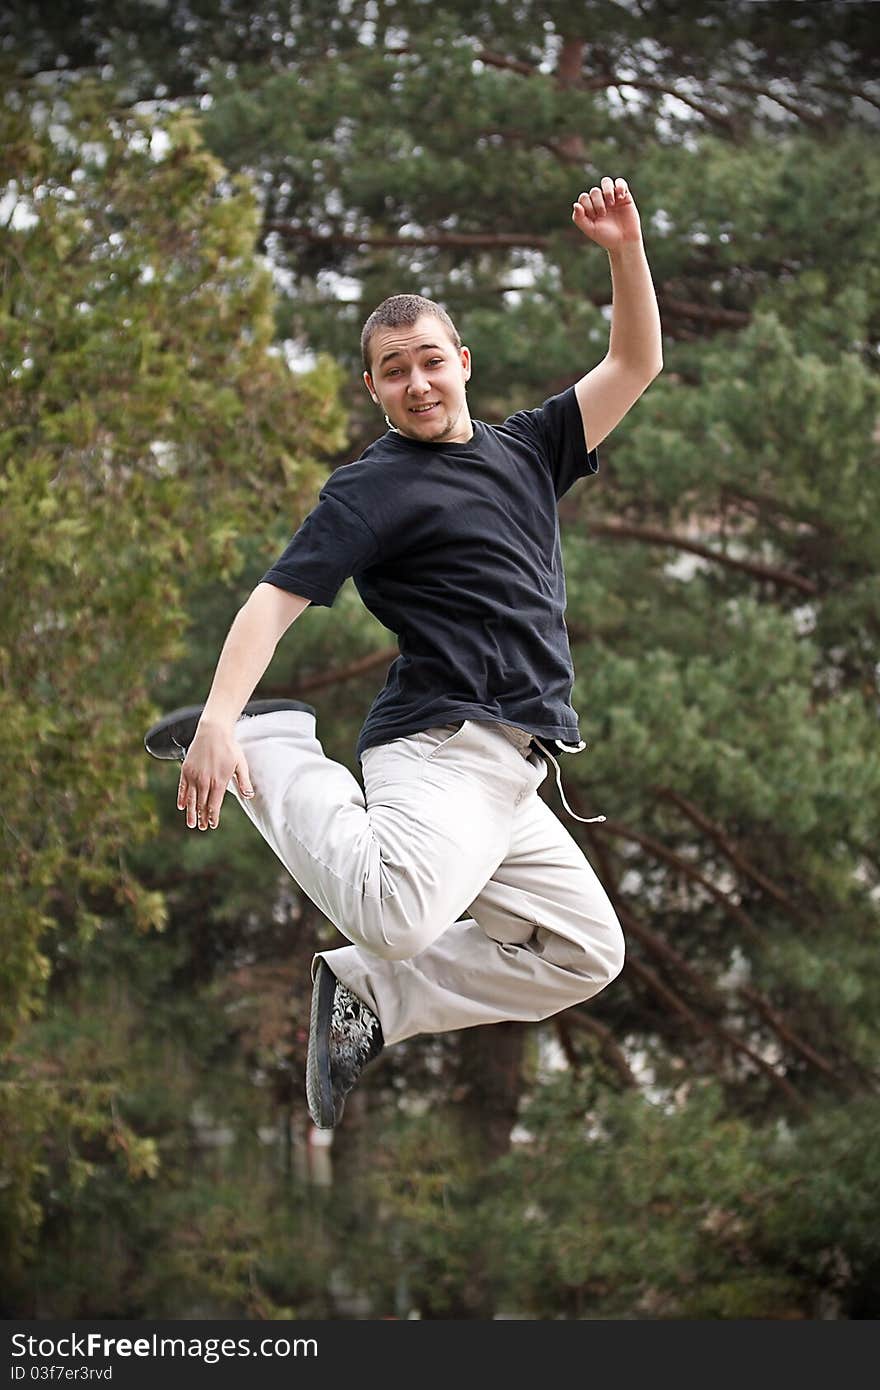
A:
{"x": 627, "y": 251}
{"x": 218, "y": 721}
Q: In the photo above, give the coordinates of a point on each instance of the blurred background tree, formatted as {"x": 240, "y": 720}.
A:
{"x": 149, "y": 421}
{"x": 722, "y": 606}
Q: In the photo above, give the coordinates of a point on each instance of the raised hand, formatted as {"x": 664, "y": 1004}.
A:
{"x": 608, "y": 215}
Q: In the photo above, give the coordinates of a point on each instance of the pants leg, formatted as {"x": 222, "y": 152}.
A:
{"x": 394, "y": 867}
{"x": 542, "y": 935}
{"x": 450, "y": 822}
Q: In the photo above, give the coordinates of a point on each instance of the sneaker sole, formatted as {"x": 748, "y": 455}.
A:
{"x": 171, "y": 735}
{"x": 319, "y": 1092}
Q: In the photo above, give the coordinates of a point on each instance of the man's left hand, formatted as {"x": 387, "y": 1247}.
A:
{"x": 608, "y": 214}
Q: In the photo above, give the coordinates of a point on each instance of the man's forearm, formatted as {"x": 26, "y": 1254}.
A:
{"x": 635, "y": 318}
{"x": 247, "y": 651}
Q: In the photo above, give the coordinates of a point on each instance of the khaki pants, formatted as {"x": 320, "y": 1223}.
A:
{"x": 449, "y": 822}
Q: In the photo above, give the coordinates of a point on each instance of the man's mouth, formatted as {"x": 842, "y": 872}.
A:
{"x": 424, "y": 409}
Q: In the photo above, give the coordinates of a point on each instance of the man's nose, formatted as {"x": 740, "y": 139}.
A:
{"x": 418, "y": 383}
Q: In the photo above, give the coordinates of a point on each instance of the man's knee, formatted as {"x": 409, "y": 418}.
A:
{"x": 603, "y": 956}
{"x": 616, "y": 952}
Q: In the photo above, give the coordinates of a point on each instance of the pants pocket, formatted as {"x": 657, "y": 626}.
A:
{"x": 434, "y": 740}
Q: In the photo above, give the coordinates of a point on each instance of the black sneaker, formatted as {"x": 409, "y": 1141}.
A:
{"x": 171, "y": 735}
{"x": 344, "y": 1036}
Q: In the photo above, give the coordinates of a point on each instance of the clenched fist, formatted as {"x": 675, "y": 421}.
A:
{"x": 608, "y": 215}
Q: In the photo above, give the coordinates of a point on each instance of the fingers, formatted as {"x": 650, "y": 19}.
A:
{"x": 211, "y": 812}
{"x": 201, "y": 801}
{"x": 187, "y": 801}
{"x": 600, "y": 200}
{"x": 243, "y": 778}
{"x": 202, "y": 797}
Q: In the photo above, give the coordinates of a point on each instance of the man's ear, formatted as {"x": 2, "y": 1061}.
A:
{"x": 466, "y": 363}
{"x": 368, "y": 382}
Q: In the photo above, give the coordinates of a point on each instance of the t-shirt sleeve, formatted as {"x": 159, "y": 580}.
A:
{"x": 332, "y": 543}
{"x": 556, "y": 431}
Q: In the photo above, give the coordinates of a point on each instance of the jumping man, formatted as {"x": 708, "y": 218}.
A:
{"x": 465, "y": 899}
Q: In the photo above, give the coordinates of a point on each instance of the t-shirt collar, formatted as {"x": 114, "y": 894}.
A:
{"x": 403, "y": 441}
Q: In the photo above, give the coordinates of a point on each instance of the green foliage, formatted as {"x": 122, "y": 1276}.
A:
{"x": 640, "y": 1210}
{"x": 620, "y": 1207}
{"x": 148, "y": 422}
{"x": 722, "y": 607}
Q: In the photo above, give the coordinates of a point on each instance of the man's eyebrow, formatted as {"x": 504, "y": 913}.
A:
{"x": 422, "y": 347}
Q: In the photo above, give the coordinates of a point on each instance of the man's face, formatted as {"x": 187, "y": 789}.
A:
{"x": 418, "y": 378}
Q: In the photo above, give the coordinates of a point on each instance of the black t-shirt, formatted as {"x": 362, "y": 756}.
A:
{"x": 455, "y": 548}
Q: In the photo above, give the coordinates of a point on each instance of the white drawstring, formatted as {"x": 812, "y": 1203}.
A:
{"x": 566, "y": 748}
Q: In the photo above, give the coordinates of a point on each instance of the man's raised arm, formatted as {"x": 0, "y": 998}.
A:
{"x": 608, "y": 216}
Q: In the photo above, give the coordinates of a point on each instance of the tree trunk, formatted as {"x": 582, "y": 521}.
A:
{"x": 489, "y": 1080}
{"x": 488, "y": 1084}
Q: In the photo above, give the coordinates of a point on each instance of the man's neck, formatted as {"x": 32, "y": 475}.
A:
{"x": 468, "y": 424}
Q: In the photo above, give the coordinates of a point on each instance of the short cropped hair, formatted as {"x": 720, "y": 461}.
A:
{"x": 401, "y": 311}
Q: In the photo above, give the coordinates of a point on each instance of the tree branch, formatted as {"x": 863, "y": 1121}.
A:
{"x": 560, "y": 1027}
{"x": 717, "y": 835}
{"x": 621, "y": 530}
{"x": 686, "y": 869}
{"x": 472, "y": 240}
{"x": 500, "y": 60}
{"x": 764, "y": 502}
{"x": 847, "y": 92}
{"x": 661, "y": 948}
{"x": 708, "y": 1027}
{"x": 606, "y": 1037}
{"x": 652, "y": 940}
{"x": 302, "y": 685}
{"x": 751, "y": 89}
{"x": 667, "y": 952}
{"x": 674, "y": 959}
{"x": 720, "y": 118}
{"x": 708, "y": 313}
{"x": 783, "y": 1031}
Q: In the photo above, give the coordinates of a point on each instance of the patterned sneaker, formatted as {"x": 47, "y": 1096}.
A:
{"x": 344, "y": 1035}
{"x": 171, "y": 735}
